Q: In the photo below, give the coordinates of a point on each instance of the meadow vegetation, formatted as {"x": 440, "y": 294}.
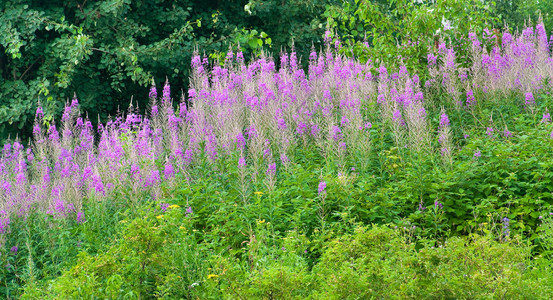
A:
{"x": 347, "y": 179}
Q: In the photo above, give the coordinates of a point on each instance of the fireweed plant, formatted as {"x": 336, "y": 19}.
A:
{"x": 338, "y": 143}
{"x": 260, "y": 118}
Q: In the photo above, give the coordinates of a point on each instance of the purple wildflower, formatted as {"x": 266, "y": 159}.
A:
{"x": 344, "y": 121}
{"x": 432, "y": 59}
{"x": 506, "y": 230}
{"x": 153, "y": 179}
{"x": 241, "y": 162}
{"x": 507, "y": 133}
{"x": 166, "y": 92}
{"x": 470, "y": 98}
{"x": 153, "y": 92}
{"x": 396, "y": 117}
{"x": 381, "y": 99}
{"x": 477, "y": 154}
{"x": 336, "y": 133}
{"x": 240, "y": 141}
{"x": 39, "y": 112}
{"x": 301, "y": 128}
{"x": 315, "y": 130}
{"x": 546, "y": 118}
{"x": 322, "y": 187}
{"x": 80, "y": 217}
{"x": 529, "y": 99}
{"x": 271, "y": 170}
{"x": 169, "y": 171}
{"x": 444, "y": 121}
{"x": 281, "y": 124}
{"x": 489, "y": 131}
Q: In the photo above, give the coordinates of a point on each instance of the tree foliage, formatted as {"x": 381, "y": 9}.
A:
{"x": 373, "y": 29}
{"x": 105, "y": 52}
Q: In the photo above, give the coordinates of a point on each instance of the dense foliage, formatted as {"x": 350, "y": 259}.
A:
{"x": 264, "y": 179}
{"x": 403, "y": 32}
{"x": 343, "y": 172}
{"x": 107, "y": 51}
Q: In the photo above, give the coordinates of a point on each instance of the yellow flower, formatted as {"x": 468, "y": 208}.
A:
{"x": 160, "y": 216}
{"x": 212, "y": 276}
{"x": 182, "y": 227}
{"x": 260, "y": 221}
{"x": 173, "y": 206}
{"x": 258, "y": 193}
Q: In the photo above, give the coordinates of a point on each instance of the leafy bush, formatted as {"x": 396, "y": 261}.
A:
{"x": 156, "y": 254}
{"x": 379, "y": 262}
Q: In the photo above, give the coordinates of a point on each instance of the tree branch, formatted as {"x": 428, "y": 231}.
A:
{"x": 36, "y": 60}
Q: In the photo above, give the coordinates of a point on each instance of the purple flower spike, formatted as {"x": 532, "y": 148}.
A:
{"x": 39, "y": 112}
{"x": 396, "y": 117}
{"x": 169, "y": 171}
{"x": 444, "y": 121}
{"x": 322, "y": 187}
{"x": 506, "y": 230}
{"x": 336, "y": 133}
{"x": 240, "y": 141}
{"x": 529, "y": 99}
{"x": 241, "y": 162}
{"x": 166, "y": 92}
{"x": 281, "y": 124}
{"x": 80, "y": 217}
{"x": 153, "y": 92}
{"x": 546, "y": 118}
{"x": 470, "y": 98}
{"x": 507, "y": 133}
{"x": 271, "y": 170}
{"x": 489, "y": 131}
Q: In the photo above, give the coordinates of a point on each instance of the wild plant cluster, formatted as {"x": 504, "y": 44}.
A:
{"x": 257, "y": 115}
{"x": 255, "y": 122}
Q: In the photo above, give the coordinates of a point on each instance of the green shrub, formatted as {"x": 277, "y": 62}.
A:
{"x": 155, "y": 255}
{"x": 378, "y": 262}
